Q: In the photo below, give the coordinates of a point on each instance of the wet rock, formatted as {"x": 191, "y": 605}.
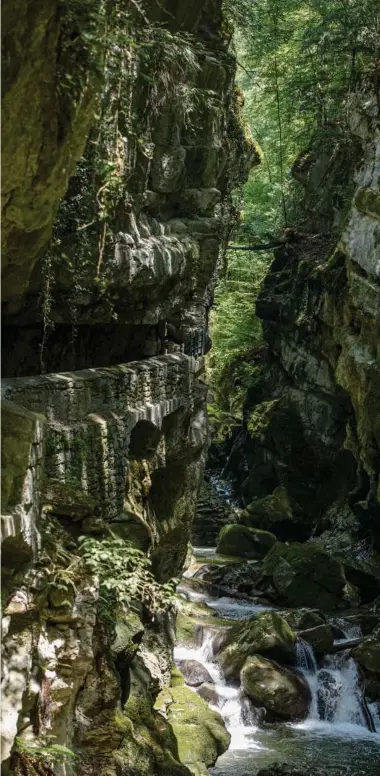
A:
{"x": 320, "y": 638}
{"x": 208, "y": 692}
{"x": 283, "y": 693}
{"x": 211, "y": 515}
{"x": 245, "y": 542}
{"x": 328, "y": 695}
{"x": 365, "y": 622}
{"x": 267, "y": 634}
{"x": 368, "y": 653}
{"x": 276, "y": 513}
{"x": 303, "y": 619}
{"x": 236, "y": 578}
{"x": 194, "y": 673}
{"x": 208, "y": 739}
{"x": 303, "y": 574}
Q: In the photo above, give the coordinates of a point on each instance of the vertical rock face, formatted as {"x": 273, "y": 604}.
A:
{"x": 313, "y": 429}
{"x": 135, "y": 247}
{"x": 102, "y": 463}
{"x": 44, "y": 127}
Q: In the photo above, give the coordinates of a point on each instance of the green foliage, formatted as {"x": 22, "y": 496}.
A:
{"x": 29, "y": 758}
{"x": 236, "y": 335}
{"x": 124, "y": 574}
{"x": 298, "y": 62}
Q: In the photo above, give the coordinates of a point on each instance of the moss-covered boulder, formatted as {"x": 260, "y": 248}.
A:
{"x": 368, "y": 653}
{"x": 276, "y": 513}
{"x": 148, "y": 742}
{"x": 244, "y": 542}
{"x": 200, "y": 732}
{"x": 282, "y": 692}
{"x": 303, "y": 574}
{"x": 192, "y": 617}
{"x": 266, "y": 634}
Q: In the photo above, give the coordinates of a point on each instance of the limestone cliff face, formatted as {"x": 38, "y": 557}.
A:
{"x": 131, "y": 265}
{"x": 45, "y": 125}
{"x": 102, "y": 463}
{"x": 312, "y": 432}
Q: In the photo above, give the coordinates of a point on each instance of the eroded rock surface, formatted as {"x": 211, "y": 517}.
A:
{"x": 102, "y": 463}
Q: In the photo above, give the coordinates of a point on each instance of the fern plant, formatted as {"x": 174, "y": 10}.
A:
{"x": 125, "y": 574}
{"x": 37, "y": 758}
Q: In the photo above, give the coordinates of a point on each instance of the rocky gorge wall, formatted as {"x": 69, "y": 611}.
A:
{"x": 130, "y": 267}
{"x": 310, "y": 445}
{"x": 107, "y": 295}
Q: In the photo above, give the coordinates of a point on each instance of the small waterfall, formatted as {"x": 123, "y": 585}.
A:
{"x": 337, "y": 697}
{"x": 232, "y": 704}
{"x": 305, "y": 657}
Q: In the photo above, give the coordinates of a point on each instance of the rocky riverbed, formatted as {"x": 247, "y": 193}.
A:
{"x": 293, "y": 685}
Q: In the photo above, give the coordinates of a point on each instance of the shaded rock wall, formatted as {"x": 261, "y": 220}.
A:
{"x": 136, "y": 241}
{"x": 312, "y": 417}
{"x": 120, "y": 449}
{"x": 44, "y": 129}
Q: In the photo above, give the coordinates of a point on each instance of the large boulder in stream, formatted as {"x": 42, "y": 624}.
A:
{"x": 265, "y": 634}
{"x": 276, "y": 513}
{"x": 243, "y": 542}
{"x": 200, "y": 732}
{"x": 208, "y": 692}
{"x": 193, "y": 672}
{"x": 283, "y": 693}
{"x": 303, "y": 574}
{"x": 367, "y": 655}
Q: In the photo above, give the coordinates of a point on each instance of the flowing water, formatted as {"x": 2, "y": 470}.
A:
{"x": 335, "y": 734}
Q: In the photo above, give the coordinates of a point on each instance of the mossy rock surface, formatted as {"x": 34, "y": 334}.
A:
{"x": 200, "y": 732}
{"x": 244, "y": 542}
{"x": 367, "y": 200}
{"x": 191, "y": 617}
{"x": 275, "y": 513}
{"x": 283, "y": 693}
{"x": 67, "y": 500}
{"x": 266, "y": 634}
{"x": 19, "y": 430}
{"x": 303, "y": 574}
{"x": 368, "y": 653}
{"x": 129, "y": 631}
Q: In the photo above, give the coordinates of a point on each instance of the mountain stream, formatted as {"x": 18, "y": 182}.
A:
{"x": 336, "y": 731}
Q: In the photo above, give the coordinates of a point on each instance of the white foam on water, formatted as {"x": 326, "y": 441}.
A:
{"x": 337, "y": 703}
{"x": 204, "y": 552}
{"x": 236, "y": 609}
{"x": 229, "y": 697}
